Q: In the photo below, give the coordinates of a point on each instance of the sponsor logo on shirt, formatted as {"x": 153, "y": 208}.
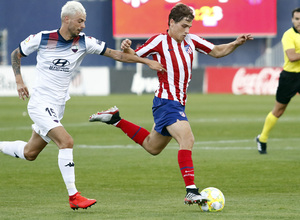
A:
{"x": 29, "y": 38}
{"x": 60, "y": 65}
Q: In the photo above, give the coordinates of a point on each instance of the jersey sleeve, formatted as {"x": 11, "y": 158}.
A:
{"x": 287, "y": 41}
{"x": 30, "y": 44}
{"x": 95, "y": 46}
{"x": 150, "y": 47}
{"x": 202, "y": 45}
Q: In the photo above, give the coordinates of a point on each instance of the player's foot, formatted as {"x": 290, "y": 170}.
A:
{"x": 193, "y": 196}
{"x": 261, "y": 146}
{"x": 77, "y": 201}
{"x": 109, "y": 116}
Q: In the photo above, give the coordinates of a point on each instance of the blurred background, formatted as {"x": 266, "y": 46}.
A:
{"x": 219, "y": 21}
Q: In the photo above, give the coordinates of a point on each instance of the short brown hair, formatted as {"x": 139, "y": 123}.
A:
{"x": 180, "y": 11}
{"x": 295, "y": 10}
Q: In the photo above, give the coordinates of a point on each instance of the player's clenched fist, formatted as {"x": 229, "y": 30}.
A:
{"x": 125, "y": 44}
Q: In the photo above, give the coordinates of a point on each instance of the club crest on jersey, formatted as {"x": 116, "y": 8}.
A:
{"x": 74, "y": 48}
{"x": 188, "y": 49}
{"x": 182, "y": 114}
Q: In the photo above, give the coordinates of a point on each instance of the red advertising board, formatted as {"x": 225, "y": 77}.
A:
{"x": 241, "y": 80}
{"x": 213, "y": 18}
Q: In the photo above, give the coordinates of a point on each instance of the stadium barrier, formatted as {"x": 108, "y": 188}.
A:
{"x": 242, "y": 80}
{"x": 86, "y": 81}
{"x": 139, "y": 81}
{"x": 92, "y": 81}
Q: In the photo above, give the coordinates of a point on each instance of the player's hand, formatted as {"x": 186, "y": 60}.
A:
{"x": 243, "y": 38}
{"x": 156, "y": 66}
{"x": 22, "y": 91}
{"x": 125, "y": 45}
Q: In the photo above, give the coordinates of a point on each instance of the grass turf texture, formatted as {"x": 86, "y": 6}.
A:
{"x": 131, "y": 184}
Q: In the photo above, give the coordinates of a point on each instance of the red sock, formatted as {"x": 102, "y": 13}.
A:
{"x": 135, "y": 132}
{"x": 186, "y": 166}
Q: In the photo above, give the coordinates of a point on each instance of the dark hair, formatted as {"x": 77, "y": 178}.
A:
{"x": 180, "y": 11}
{"x": 295, "y": 10}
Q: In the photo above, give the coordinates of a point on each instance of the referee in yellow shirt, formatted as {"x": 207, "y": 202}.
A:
{"x": 289, "y": 80}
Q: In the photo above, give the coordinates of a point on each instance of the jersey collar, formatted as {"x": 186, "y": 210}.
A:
{"x": 296, "y": 30}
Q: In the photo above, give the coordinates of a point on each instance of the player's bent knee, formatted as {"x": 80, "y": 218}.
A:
{"x": 30, "y": 156}
{"x": 68, "y": 143}
{"x": 154, "y": 152}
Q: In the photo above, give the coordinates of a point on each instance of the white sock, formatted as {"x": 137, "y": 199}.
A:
{"x": 66, "y": 166}
{"x": 191, "y": 187}
{"x": 115, "y": 124}
{"x": 14, "y": 148}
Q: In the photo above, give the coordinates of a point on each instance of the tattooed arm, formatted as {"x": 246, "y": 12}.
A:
{"x": 16, "y": 65}
{"x": 131, "y": 58}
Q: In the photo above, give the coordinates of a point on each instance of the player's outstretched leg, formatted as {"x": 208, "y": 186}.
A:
{"x": 77, "y": 201}
{"x": 194, "y": 197}
{"x": 13, "y": 148}
{"x": 110, "y": 116}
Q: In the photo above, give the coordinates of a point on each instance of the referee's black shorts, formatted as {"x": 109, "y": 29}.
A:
{"x": 288, "y": 86}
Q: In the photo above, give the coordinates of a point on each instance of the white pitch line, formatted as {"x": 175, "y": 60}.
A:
{"x": 168, "y": 147}
{"x": 204, "y": 145}
{"x": 172, "y": 147}
{"x": 84, "y": 124}
{"x": 239, "y": 120}
{"x": 15, "y": 128}
{"x": 197, "y": 120}
{"x": 199, "y": 145}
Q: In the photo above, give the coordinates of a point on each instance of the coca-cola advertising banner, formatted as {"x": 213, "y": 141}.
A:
{"x": 241, "y": 80}
{"x": 213, "y": 18}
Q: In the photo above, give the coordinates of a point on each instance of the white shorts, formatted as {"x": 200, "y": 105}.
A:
{"x": 45, "y": 116}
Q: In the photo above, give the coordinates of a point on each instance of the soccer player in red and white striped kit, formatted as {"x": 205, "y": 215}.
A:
{"x": 175, "y": 51}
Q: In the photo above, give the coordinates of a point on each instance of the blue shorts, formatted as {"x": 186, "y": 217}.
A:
{"x": 166, "y": 112}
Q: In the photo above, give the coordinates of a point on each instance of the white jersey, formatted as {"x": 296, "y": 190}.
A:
{"x": 56, "y": 61}
{"x": 177, "y": 58}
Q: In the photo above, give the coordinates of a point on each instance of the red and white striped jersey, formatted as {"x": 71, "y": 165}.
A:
{"x": 177, "y": 58}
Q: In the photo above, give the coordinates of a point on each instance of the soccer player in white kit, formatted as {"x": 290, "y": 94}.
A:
{"x": 175, "y": 50}
{"x": 59, "y": 53}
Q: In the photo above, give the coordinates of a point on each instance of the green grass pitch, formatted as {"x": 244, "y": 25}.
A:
{"x": 128, "y": 183}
